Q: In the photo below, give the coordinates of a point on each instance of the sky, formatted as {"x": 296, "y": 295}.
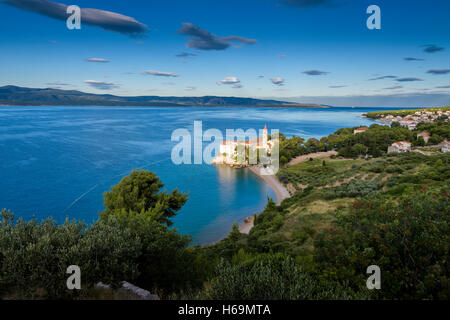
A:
{"x": 317, "y": 51}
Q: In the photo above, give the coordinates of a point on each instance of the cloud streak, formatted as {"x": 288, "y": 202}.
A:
{"x": 393, "y": 88}
{"x": 315, "y": 72}
{"x": 431, "y": 48}
{"x": 383, "y": 77}
{"x": 204, "y": 40}
{"x": 408, "y": 79}
{"x": 57, "y": 83}
{"x": 439, "y": 71}
{"x": 413, "y": 59}
{"x": 186, "y": 55}
{"x": 99, "y": 60}
{"x": 106, "y": 20}
{"x": 101, "y": 85}
{"x": 160, "y": 74}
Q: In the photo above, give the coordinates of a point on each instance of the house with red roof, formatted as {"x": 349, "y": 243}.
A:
{"x": 360, "y": 130}
{"x": 401, "y": 146}
{"x": 424, "y": 135}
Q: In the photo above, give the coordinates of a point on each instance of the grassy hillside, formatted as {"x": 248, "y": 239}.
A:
{"x": 344, "y": 215}
{"x": 323, "y": 187}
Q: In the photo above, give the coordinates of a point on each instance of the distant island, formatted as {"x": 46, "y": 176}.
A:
{"x": 21, "y": 96}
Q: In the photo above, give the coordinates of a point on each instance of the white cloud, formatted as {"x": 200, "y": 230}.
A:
{"x": 230, "y": 80}
{"x": 278, "y": 81}
{"x": 160, "y": 74}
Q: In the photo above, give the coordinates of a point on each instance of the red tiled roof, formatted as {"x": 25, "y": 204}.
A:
{"x": 228, "y": 141}
{"x": 400, "y": 143}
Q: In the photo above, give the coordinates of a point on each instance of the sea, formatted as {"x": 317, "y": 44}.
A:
{"x": 58, "y": 161}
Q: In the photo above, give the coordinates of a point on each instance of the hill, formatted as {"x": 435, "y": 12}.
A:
{"x": 20, "y": 96}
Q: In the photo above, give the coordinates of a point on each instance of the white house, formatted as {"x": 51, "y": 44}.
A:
{"x": 401, "y": 146}
{"x": 445, "y": 146}
{"x": 424, "y": 135}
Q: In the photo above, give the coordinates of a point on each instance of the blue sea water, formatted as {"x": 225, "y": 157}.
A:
{"x": 58, "y": 161}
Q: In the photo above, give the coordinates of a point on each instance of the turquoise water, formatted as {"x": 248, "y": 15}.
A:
{"x": 58, "y": 161}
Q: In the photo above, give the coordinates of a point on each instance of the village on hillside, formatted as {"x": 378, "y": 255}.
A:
{"x": 411, "y": 121}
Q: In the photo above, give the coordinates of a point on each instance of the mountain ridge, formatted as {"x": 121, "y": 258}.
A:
{"x": 23, "y": 96}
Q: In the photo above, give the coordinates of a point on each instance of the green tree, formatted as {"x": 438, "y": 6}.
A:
{"x": 140, "y": 193}
{"x": 235, "y": 233}
{"x": 165, "y": 263}
{"x": 420, "y": 142}
{"x": 359, "y": 149}
{"x": 435, "y": 139}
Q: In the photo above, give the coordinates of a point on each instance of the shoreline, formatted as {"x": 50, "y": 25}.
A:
{"x": 280, "y": 191}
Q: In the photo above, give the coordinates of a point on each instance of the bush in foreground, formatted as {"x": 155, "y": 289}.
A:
{"x": 272, "y": 277}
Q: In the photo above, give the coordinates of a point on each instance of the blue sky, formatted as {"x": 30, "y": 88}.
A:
{"x": 301, "y": 50}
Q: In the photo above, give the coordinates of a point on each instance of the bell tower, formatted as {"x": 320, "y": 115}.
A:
{"x": 265, "y": 136}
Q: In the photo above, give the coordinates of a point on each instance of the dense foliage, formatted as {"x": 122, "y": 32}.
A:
{"x": 130, "y": 242}
{"x": 34, "y": 256}
{"x": 374, "y": 142}
{"x": 409, "y": 240}
{"x": 271, "y": 277}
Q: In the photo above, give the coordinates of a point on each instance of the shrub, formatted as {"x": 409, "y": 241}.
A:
{"x": 35, "y": 256}
{"x": 355, "y": 188}
{"x": 408, "y": 240}
{"x": 270, "y": 277}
